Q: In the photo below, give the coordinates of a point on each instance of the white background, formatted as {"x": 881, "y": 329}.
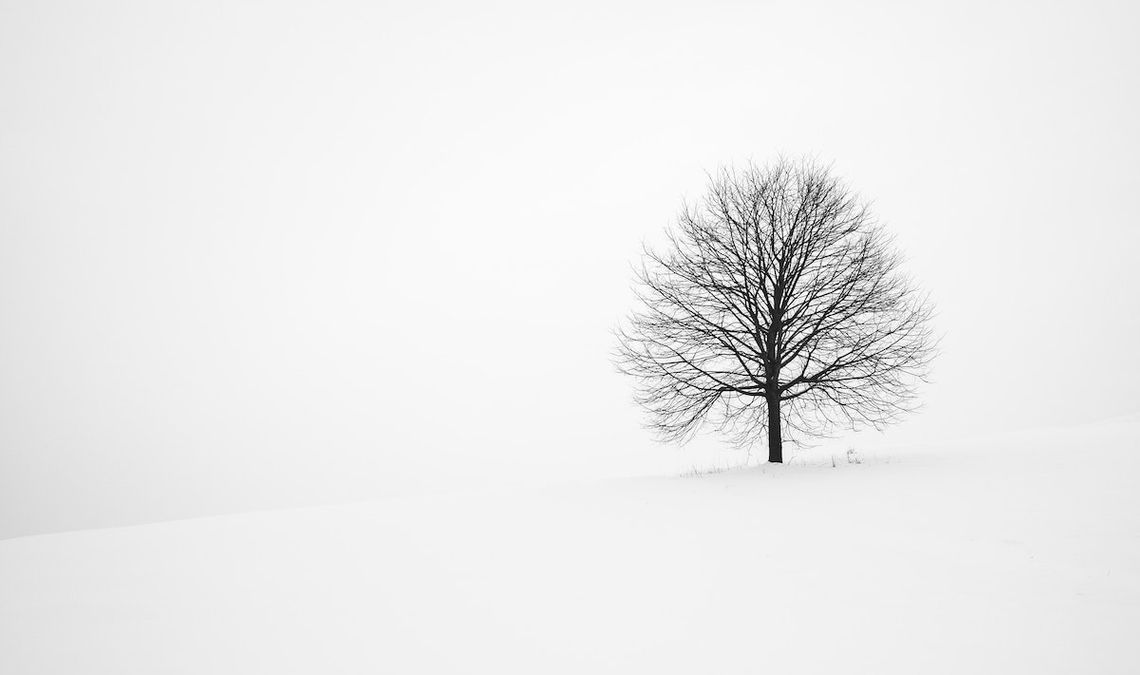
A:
{"x": 267, "y": 254}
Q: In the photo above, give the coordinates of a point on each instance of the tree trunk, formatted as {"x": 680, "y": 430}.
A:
{"x": 775, "y": 439}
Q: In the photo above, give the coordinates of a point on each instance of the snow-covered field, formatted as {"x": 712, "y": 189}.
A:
{"x": 1011, "y": 554}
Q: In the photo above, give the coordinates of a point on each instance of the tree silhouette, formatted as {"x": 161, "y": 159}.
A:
{"x": 778, "y": 309}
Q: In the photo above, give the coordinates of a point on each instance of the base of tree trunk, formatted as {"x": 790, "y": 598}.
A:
{"x": 775, "y": 435}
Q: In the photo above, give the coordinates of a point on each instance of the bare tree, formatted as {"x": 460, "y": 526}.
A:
{"x": 779, "y": 309}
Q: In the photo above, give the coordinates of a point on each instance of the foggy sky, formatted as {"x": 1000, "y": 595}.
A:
{"x": 269, "y": 254}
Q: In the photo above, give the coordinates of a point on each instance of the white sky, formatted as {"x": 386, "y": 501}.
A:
{"x": 263, "y": 254}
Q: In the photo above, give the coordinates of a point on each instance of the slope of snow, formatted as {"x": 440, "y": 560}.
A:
{"x": 1017, "y": 554}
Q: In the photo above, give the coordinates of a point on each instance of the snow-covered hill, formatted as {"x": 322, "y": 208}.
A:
{"x": 1013, "y": 554}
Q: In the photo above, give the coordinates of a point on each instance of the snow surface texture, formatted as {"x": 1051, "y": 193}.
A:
{"x": 1013, "y": 554}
